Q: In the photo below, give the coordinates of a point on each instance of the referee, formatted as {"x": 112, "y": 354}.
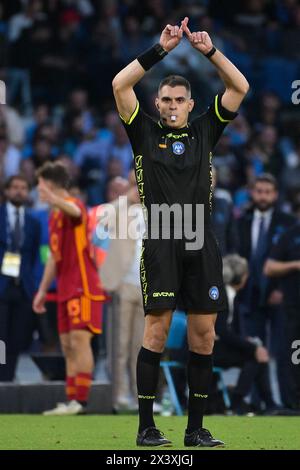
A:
{"x": 173, "y": 166}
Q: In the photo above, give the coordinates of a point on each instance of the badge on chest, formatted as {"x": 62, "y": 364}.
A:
{"x": 11, "y": 264}
{"x": 178, "y": 148}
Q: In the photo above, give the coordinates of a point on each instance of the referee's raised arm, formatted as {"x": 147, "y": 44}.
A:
{"x": 236, "y": 85}
{"x": 127, "y": 78}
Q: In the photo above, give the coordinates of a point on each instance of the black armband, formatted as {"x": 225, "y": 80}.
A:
{"x": 151, "y": 56}
{"x": 211, "y": 52}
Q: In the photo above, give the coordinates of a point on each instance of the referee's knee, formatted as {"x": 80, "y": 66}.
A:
{"x": 203, "y": 342}
{"x": 154, "y": 339}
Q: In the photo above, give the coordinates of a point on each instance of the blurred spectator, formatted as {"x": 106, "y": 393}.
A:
{"x": 260, "y": 300}
{"x": 115, "y": 188}
{"x": 41, "y": 151}
{"x": 40, "y": 116}
{"x": 120, "y": 273}
{"x": 92, "y": 158}
{"x": 284, "y": 263}
{"x": 114, "y": 168}
{"x": 121, "y": 149}
{"x": 227, "y": 163}
{"x": 72, "y": 169}
{"x": 78, "y": 105}
{"x": 133, "y": 39}
{"x": 290, "y": 177}
{"x": 267, "y": 150}
{"x": 233, "y": 350}
{"x": 102, "y": 59}
{"x": 223, "y": 222}
{"x": 14, "y": 125}
{"x": 25, "y": 19}
{"x": 19, "y": 29}
{"x": 239, "y": 131}
{"x": 20, "y": 237}
{"x": 10, "y": 156}
{"x": 27, "y": 170}
{"x": 266, "y": 110}
{"x": 73, "y": 133}
{"x": 45, "y": 131}
{"x": 253, "y": 13}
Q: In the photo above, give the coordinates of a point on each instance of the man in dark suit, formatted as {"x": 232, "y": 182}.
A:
{"x": 224, "y": 225}
{"x": 260, "y": 302}
{"x": 222, "y": 219}
{"x": 19, "y": 245}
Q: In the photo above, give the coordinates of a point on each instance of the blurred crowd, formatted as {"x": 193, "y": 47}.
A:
{"x": 58, "y": 58}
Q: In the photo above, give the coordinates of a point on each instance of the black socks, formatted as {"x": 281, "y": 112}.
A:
{"x": 147, "y": 372}
{"x": 199, "y": 373}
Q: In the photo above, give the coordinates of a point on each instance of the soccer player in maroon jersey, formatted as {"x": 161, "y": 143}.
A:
{"x": 79, "y": 294}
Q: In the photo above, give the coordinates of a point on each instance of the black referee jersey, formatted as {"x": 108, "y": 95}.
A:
{"x": 173, "y": 166}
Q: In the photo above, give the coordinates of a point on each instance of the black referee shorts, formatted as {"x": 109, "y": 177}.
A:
{"x": 173, "y": 277}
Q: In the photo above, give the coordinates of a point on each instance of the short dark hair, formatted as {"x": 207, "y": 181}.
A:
{"x": 175, "y": 80}
{"x": 266, "y": 178}
{"x": 55, "y": 172}
{"x": 13, "y": 178}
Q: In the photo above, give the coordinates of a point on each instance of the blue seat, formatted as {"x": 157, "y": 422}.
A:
{"x": 226, "y": 398}
{"x": 175, "y": 340}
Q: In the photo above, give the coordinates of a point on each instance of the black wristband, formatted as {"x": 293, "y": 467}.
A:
{"x": 211, "y": 52}
{"x": 151, "y": 56}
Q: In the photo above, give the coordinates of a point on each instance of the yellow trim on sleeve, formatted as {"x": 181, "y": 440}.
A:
{"x": 217, "y": 111}
{"x": 133, "y": 114}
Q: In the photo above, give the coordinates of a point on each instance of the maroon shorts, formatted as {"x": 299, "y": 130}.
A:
{"x": 79, "y": 313}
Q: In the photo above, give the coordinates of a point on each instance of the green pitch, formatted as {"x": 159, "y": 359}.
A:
{"x": 118, "y": 432}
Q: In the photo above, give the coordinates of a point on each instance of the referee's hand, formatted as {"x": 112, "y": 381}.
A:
{"x": 172, "y": 35}
{"x": 200, "y": 40}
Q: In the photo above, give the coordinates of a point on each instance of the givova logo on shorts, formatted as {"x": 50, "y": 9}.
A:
{"x": 163, "y": 294}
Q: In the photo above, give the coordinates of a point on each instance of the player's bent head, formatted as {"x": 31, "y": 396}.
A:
{"x": 55, "y": 173}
